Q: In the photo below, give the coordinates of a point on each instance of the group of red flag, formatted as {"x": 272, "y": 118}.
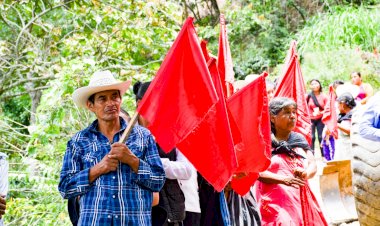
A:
{"x": 190, "y": 105}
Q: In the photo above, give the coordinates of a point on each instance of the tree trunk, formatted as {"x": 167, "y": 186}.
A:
{"x": 35, "y": 97}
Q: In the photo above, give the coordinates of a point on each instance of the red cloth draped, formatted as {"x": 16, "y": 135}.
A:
{"x": 329, "y": 117}
{"x": 311, "y": 212}
{"x": 292, "y": 85}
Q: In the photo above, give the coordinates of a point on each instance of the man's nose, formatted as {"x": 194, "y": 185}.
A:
{"x": 110, "y": 101}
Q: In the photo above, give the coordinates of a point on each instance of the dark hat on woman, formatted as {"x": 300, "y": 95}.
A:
{"x": 348, "y": 99}
{"x": 139, "y": 89}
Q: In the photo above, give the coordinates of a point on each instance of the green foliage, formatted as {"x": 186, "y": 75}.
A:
{"x": 17, "y": 109}
{"x": 349, "y": 28}
{"x": 70, "y": 43}
{"x": 329, "y": 66}
{"x": 334, "y": 45}
{"x": 256, "y": 38}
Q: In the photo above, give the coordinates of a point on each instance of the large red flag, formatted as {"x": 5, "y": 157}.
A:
{"x": 214, "y": 72}
{"x": 225, "y": 66}
{"x": 292, "y": 85}
{"x": 182, "y": 92}
{"x": 249, "y": 109}
{"x": 329, "y": 117}
{"x": 210, "y": 147}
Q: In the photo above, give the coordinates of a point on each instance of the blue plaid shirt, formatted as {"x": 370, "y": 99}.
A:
{"x": 121, "y": 197}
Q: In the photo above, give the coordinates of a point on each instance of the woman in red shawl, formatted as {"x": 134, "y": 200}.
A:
{"x": 282, "y": 191}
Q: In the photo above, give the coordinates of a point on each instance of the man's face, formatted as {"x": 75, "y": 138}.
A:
{"x": 106, "y": 105}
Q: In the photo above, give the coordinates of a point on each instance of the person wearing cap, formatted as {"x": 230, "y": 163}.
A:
{"x": 114, "y": 181}
{"x": 346, "y": 104}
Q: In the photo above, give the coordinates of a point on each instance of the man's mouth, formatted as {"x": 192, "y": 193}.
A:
{"x": 111, "y": 111}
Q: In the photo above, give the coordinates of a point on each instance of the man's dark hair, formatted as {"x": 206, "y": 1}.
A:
{"x": 92, "y": 97}
{"x": 139, "y": 89}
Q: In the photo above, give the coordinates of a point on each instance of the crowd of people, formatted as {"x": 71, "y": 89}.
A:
{"x": 109, "y": 182}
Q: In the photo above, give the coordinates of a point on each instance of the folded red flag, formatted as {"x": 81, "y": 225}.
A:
{"x": 225, "y": 66}
{"x": 329, "y": 117}
{"x": 210, "y": 147}
{"x": 249, "y": 109}
{"x": 292, "y": 85}
{"x": 182, "y": 92}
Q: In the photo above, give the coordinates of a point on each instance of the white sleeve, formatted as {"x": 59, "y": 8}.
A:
{"x": 180, "y": 169}
{"x": 4, "y": 166}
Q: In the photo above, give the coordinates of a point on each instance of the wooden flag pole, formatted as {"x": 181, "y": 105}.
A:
{"x": 129, "y": 128}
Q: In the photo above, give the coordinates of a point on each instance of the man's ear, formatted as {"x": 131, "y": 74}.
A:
{"x": 90, "y": 105}
{"x": 272, "y": 118}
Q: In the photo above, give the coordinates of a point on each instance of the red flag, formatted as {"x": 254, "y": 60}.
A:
{"x": 210, "y": 147}
{"x": 225, "y": 66}
{"x": 205, "y": 50}
{"x": 292, "y": 85}
{"x": 181, "y": 93}
{"x": 329, "y": 117}
{"x": 214, "y": 72}
{"x": 249, "y": 109}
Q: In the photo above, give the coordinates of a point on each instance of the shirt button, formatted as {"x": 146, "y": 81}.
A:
{"x": 116, "y": 216}
{"x": 113, "y": 177}
{"x": 109, "y": 216}
{"x": 114, "y": 196}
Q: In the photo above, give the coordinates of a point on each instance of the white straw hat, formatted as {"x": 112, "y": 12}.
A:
{"x": 100, "y": 81}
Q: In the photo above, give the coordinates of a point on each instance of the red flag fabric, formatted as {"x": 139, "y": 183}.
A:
{"x": 249, "y": 109}
{"x": 225, "y": 66}
{"x": 329, "y": 117}
{"x": 182, "y": 92}
{"x": 214, "y": 72}
{"x": 205, "y": 50}
{"x": 210, "y": 147}
{"x": 292, "y": 85}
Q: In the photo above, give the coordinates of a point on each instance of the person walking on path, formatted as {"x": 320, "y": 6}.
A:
{"x": 316, "y": 102}
{"x": 282, "y": 191}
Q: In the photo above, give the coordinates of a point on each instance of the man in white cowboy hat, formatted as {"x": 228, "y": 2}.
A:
{"x": 114, "y": 181}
